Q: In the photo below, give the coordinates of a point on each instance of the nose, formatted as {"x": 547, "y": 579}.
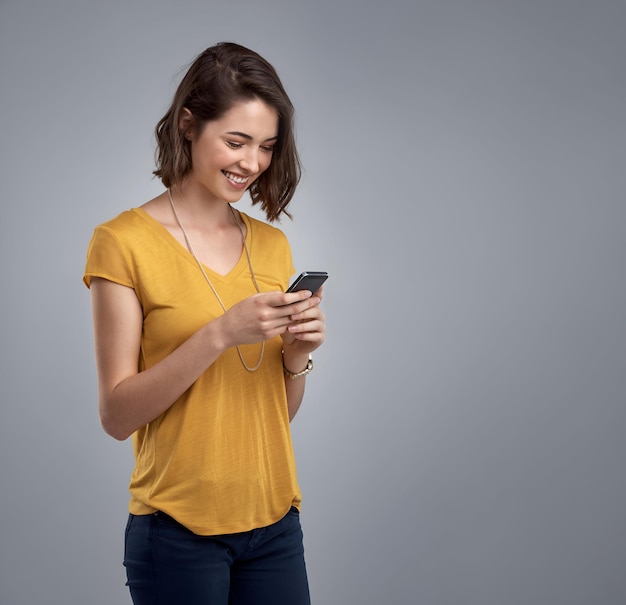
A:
{"x": 250, "y": 160}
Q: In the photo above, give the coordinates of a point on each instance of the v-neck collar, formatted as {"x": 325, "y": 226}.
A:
{"x": 166, "y": 236}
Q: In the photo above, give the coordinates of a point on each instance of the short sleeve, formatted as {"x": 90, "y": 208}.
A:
{"x": 106, "y": 259}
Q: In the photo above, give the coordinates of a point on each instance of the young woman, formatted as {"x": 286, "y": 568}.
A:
{"x": 201, "y": 355}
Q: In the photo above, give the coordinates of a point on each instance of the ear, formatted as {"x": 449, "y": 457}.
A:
{"x": 186, "y": 123}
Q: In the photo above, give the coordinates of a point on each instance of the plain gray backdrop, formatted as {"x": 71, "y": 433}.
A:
{"x": 462, "y": 439}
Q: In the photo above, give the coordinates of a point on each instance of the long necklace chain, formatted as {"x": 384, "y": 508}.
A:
{"x": 208, "y": 281}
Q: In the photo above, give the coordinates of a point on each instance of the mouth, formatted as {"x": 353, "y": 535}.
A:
{"x": 235, "y": 179}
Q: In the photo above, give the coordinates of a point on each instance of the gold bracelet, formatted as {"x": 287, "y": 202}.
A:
{"x": 296, "y": 375}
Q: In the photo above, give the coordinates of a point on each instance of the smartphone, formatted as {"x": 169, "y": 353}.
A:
{"x": 308, "y": 280}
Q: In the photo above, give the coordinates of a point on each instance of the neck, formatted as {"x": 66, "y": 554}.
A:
{"x": 199, "y": 210}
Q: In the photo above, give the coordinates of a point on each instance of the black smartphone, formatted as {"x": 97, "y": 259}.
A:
{"x": 308, "y": 280}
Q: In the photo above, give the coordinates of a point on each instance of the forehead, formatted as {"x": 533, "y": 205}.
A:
{"x": 254, "y": 117}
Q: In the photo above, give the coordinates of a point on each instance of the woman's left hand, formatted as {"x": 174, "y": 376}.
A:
{"x": 303, "y": 335}
{"x": 307, "y": 330}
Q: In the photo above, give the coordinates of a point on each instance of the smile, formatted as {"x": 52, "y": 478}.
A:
{"x": 240, "y": 180}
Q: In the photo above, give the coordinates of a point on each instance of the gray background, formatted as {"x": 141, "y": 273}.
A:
{"x": 462, "y": 442}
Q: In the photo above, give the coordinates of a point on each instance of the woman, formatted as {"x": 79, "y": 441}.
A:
{"x": 201, "y": 355}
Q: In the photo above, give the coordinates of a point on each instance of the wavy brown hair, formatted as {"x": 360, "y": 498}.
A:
{"x": 220, "y": 77}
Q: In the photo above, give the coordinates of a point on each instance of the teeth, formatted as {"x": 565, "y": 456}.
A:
{"x": 237, "y": 179}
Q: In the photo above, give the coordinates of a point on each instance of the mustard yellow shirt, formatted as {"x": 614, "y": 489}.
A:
{"x": 220, "y": 459}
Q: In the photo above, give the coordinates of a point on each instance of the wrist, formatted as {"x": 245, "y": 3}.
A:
{"x": 216, "y": 335}
{"x": 297, "y": 366}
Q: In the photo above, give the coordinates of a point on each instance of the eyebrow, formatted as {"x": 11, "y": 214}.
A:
{"x": 248, "y": 137}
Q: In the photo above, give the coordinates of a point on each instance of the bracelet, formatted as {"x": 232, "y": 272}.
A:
{"x": 296, "y": 375}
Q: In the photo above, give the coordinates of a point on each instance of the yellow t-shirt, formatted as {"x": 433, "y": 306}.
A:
{"x": 220, "y": 459}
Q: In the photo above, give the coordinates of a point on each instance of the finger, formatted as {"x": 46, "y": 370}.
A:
{"x": 281, "y": 299}
{"x": 320, "y": 293}
{"x": 307, "y": 326}
{"x": 310, "y": 312}
{"x": 312, "y": 339}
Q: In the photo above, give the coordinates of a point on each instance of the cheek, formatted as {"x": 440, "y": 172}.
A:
{"x": 265, "y": 162}
{"x": 207, "y": 154}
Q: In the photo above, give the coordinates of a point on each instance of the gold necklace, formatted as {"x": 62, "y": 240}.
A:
{"x": 208, "y": 281}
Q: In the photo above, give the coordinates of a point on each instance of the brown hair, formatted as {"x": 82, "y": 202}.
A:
{"x": 220, "y": 77}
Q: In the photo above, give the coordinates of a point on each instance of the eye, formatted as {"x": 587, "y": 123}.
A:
{"x": 267, "y": 148}
{"x": 234, "y": 145}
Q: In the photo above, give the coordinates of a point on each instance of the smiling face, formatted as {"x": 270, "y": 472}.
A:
{"x": 230, "y": 153}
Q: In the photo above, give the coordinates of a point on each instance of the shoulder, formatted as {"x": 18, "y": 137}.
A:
{"x": 126, "y": 226}
{"x": 270, "y": 250}
{"x": 126, "y": 220}
{"x": 261, "y": 229}
{"x": 127, "y": 234}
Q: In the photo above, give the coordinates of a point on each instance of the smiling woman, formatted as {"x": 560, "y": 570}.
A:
{"x": 198, "y": 344}
{"x": 220, "y": 78}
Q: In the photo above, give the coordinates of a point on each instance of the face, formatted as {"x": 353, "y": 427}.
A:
{"x": 230, "y": 153}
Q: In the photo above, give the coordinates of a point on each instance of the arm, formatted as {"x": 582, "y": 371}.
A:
{"x": 129, "y": 399}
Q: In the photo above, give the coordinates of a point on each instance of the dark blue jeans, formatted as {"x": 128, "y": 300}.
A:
{"x": 166, "y": 564}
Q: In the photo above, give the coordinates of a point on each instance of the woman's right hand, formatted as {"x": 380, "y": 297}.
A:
{"x": 262, "y": 316}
